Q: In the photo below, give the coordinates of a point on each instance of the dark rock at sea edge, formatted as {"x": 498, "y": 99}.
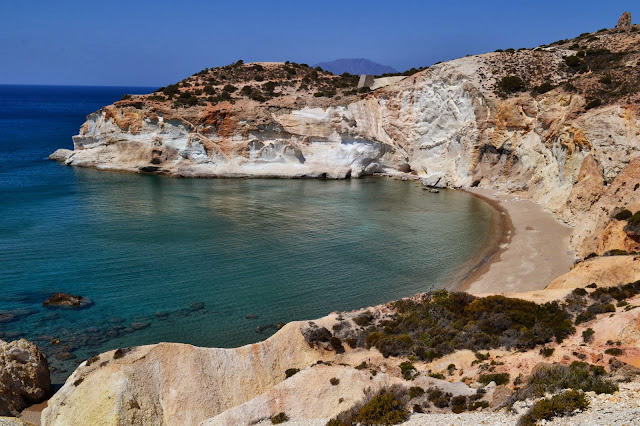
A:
{"x": 67, "y": 301}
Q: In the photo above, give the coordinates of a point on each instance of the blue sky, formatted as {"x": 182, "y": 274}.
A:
{"x": 157, "y": 42}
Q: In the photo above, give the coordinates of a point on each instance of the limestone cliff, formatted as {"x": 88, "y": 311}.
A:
{"x": 556, "y": 124}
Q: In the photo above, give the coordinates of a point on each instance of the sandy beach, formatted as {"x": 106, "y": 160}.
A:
{"x": 533, "y": 251}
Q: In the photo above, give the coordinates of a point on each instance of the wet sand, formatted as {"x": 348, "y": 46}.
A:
{"x": 32, "y": 414}
{"x": 532, "y": 253}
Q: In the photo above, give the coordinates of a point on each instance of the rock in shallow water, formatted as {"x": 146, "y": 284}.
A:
{"x": 67, "y": 300}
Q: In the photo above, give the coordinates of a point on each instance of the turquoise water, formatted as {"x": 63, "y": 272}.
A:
{"x": 151, "y": 251}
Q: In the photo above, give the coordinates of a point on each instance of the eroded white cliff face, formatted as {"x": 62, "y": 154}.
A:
{"x": 445, "y": 125}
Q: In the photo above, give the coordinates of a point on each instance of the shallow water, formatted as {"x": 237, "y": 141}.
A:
{"x": 187, "y": 260}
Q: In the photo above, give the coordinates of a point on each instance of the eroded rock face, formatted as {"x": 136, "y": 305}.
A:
{"x": 24, "y": 376}
{"x": 624, "y": 23}
{"x": 447, "y": 125}
{"x": 173, "y": 384}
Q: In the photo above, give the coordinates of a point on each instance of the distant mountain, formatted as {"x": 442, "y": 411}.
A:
{"x": 355, "y": 66}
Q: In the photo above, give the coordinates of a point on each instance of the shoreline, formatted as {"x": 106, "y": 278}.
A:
{"x": 531, "y": 236}
{"x": 499, "y": 237}
{"x": 488, "y": 263}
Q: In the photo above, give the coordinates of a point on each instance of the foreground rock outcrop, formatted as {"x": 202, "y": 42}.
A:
{"x": 24, "y": 376}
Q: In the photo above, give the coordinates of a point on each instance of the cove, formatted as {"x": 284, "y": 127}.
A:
{"x": 210, "y": 262}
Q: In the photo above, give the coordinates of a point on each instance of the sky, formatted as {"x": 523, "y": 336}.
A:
{"x": 158, "y": 42}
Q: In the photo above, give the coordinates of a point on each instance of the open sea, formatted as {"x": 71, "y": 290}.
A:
{"x": 210, "y": 262}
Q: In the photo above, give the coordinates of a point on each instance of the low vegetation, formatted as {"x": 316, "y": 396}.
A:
{"x": 511, "y": 84}
{"x": 279, "y": 418}
{"x": 558, "y": 405}
{"x": 443, "y": 322}
{"x": 387, "y": 407}
{"x": 552, "y": 378}
{"x": 290, "y": 372}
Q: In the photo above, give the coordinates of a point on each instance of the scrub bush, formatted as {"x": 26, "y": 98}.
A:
{"x": 557, "y": 406}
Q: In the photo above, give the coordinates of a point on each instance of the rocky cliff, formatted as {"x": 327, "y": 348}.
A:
{"x": 557, "y": 124}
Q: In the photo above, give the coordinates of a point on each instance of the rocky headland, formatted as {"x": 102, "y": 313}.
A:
{"x": 557, "y": 125}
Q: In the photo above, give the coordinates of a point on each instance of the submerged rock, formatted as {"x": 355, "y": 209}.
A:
{"x": 24, "y": 376}
{"x": 197, "y": 306}
{"x": 67, "y": 300}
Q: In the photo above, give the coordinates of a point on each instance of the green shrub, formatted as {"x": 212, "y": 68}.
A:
{"x": 552, "y": 378}
{"x": 78, "y": 381}
{"x": 334, "y": 381}
{"x": 92, "y": 360}
{"x": 633, "y": 224}
{"x": 547, "y": 352}
{"x": 437, "y": 376}
{"x": 498, "y": 378}
{"x": 434, "y": 393}
{"x": 336, "y": 344}
{"x": 511, "y": 84}
{"x": 408, "y": 370}
{"x": 364, "y": 319}
{"x": 592, "y": 285}
{"x": 443, "y": 322}
{"x": 573, "y": 61}
{"x": 383, "y": 409}
{"x": 279, "y": 418}
{"x": 606, "y": 79}
{"x": 415, "y": 391}
{"x": 229, "y": 88}
{"x": 557, "y": 406}
{"x": 623, "y": 215}
{"x": 543, "y": 88}
{"x": 593, "y": 104}
{"x": 478, "y": 404}
{"x": 614, "y": 351}
{"x": 587, "y": 335}
{"x": 290, "y": 372}
{"x": 482, "y": 357}
{"x": 459, "y": 404}
{"x": 125, "y": 97}
{"x": 579, "y": 292}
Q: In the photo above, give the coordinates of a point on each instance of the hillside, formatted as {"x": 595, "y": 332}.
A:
{"x": 356, "y": 66}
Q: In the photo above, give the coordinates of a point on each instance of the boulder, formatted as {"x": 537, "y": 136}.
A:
{"x": 624, "y": 23}
{"x": 67, "y": 300}
{"x": 61, "y": 155}
{"x": 24, "y": 376}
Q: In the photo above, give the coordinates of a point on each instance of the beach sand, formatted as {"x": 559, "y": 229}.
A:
{"x": 533, "y": 251}
{"x": 32, "y": 414}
